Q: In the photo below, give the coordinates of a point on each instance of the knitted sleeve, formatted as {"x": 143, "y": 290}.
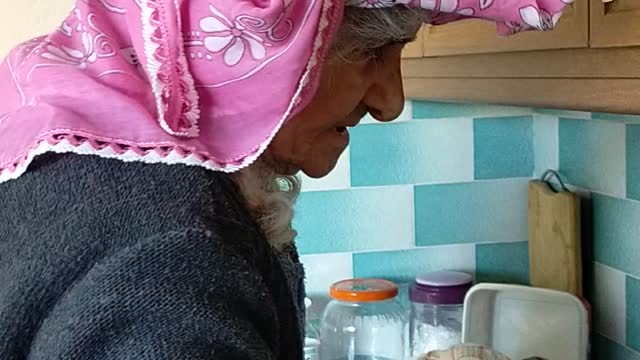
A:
{"x": 180, "y": 295}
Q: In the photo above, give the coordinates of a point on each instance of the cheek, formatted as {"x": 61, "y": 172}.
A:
{"x": 310, "y": 140}
{"x": 341, "y": 90}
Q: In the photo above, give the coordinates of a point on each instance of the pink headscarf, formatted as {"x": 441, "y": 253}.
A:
{"x": 197, "y": 82}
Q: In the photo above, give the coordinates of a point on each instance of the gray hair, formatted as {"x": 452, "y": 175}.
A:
{"x": 365, "y": 30}
{"x": 270, "y": 197}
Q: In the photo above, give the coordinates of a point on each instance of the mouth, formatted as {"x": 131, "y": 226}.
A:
{"x": 344, "y": 128}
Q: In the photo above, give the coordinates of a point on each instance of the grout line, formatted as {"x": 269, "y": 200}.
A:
{"x": 463, "y": 182}
{"x": 501, "y": 242}
{"x": 622, "y": 345}
{"x": 530, "y": 116}
{"x": 413, "y": 217}
{"x": 412, "y": 248}
{"x": 625, "y": 162}
{"x": 616, "y": 197}
{"x": 611, "y": 268}
{"x": 415, "y": 247}
{"x": 557, "y": 138}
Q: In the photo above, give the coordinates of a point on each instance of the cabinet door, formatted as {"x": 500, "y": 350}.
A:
{"x": 23, "y": 20}
{"x": 615, "y": 23}
{"x": 478, "y": 36}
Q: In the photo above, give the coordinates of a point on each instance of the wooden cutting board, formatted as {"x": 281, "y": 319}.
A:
{"x": 555, "y": 255}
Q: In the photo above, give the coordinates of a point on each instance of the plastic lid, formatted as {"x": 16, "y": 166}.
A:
{"x": 441, "y": 288}
{"x": 444, "y": 278}
{"x": 363, "y": 290}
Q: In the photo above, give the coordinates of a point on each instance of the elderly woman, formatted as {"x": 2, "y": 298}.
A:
{"x": 121, "y": 256}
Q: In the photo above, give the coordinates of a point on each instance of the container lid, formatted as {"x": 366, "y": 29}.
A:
{"x": 441, "y": 288}
{"x": 524, "y": 322}
{"x": 444, "y": 278}
{"x": 363, "y": 290}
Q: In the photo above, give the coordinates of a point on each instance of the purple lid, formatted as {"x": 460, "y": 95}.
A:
{"x": 441, "y": 288}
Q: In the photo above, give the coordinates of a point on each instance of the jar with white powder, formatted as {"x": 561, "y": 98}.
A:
{"x": 436, "y": 311}
{"x": 364, "y": 321}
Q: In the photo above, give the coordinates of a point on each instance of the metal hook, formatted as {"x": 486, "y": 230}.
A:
{"x": 550, "y": 174}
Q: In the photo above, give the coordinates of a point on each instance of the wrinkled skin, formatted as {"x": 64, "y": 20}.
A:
{"x": 314, "y": 139}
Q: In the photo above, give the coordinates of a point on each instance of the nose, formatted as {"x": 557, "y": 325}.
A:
{"x": 385, "y": 97}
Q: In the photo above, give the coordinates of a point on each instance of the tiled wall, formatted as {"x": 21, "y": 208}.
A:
{"x": 600, "y": 153}
{"x": 445, "y": 187}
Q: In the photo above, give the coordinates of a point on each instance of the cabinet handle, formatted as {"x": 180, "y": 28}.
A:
{"x": 607, "y": 1}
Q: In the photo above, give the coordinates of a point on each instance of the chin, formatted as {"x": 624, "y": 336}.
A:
{"x": 315, "y": 174}
{"x": 318, "y": 171}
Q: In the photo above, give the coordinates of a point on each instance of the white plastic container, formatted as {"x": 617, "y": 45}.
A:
{"x": 524, "y": 322}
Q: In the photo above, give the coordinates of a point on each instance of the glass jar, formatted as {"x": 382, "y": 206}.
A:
{"x": 436, "y": 311}
{"x": 363, "y": 322}
{"x": 311, "y": 336}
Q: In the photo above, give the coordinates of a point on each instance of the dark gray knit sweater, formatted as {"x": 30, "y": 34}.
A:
{"x": 105, "y": 260}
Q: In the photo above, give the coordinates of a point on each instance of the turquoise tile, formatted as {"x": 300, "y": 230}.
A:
{"x": 353, "y": 220}
{"x": 617, "y": 233}
{"x": 633, "y": 312}
{"x": 412, "y": 152}
{"x": 484, "y": 211}
{"x": 605, "y": 349}
{"x": 616, "y": 117}
{"x": 503, "y": 263}
{"x": 403, "y": 266}
{"x": 437, "y": 110}
{"x": 503, "y": 147}
{"x": 592, "y": 155}
{"x": 633, "y": 162}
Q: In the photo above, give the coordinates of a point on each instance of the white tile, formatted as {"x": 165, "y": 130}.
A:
{"x": 610, "y": 303}
{"x": 322, "y": 271}
{"x": 612, "y": 180}
{"x": 338, "y": 179}
{"x": 452, "y": 139}
{"x": 457, "y": 257}
{"x": 496, "y": 111}
{"x": 406, "y": 115}
{"x": 545, "y": 143}
{"x": 564, "y": 113}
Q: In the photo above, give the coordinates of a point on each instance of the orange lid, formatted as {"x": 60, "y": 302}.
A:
{"x": 363, "y": 290}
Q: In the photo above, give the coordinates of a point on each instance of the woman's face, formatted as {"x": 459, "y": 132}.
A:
{"x": 313, "y": 140}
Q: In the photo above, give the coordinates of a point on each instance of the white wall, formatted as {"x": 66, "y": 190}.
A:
{"x": 23, "y": 19}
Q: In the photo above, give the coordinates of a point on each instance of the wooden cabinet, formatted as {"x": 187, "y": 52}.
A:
{"x": 478, "y": 36}
{"x": 590, "y": 62}
{"x": 615, "y": 23}
{"x": 22, "y": 20}
{"x": 414, "y": 49}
